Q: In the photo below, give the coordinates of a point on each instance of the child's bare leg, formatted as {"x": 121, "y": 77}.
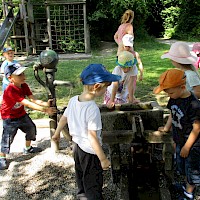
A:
{"x": 190, "y": 188}
{"x": 2, "y": 155}
{"x": 28, "y": 143}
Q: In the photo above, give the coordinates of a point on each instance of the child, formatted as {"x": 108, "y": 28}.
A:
{"x": 84, "y": 122}
{"x": 126, "y": 27}
{"x": 8, "y": 53}
{"x": 123, "y": 91}
{"x": 13, "y": 114}
{"x": 185, "y": 121}
{"x": 196, "y": 50}
{"x": 181, "y": 58}
{"x": 127, "y": 45}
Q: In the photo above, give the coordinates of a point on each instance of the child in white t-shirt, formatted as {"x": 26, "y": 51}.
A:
{"x": 123, "y": 91}
{"x": 84, "y": 121}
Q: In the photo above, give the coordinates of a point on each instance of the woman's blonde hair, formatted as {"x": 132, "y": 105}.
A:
{"x": 127, "y": 17}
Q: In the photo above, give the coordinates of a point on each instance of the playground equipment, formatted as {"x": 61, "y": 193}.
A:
{"x": 47, "y": 64}
{"x": 7, "y": 27}
{"x": 35, "y": 25}
{"x": 129, "y": 131}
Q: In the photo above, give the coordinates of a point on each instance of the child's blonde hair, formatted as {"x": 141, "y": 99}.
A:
{"x": 189, "y": 67}
{"x": 90, "y": 87}
{"x": 127, "y": 17}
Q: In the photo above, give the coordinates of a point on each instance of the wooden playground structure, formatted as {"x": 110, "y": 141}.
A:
{"x": 34, "y": 26}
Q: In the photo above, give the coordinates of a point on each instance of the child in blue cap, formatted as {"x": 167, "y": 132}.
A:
{"x": 123, "y": 91}
{"x": 8, "y": 53}
{"x": 84, "y": 121}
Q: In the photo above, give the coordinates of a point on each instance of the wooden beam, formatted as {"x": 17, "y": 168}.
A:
{"x": 117, "y": 136}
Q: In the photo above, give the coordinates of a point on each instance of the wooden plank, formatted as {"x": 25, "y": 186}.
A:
{"x": 158, "y": 137}
{"x": 117, "y": 136}
{"x": 131, "y": 107}
{"x": 65, "y": 1}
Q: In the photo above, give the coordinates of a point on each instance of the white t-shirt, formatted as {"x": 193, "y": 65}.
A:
{"x": 192, "y": 79}
{"x": 122, "y": 93}
{"x": 81, "y": 117}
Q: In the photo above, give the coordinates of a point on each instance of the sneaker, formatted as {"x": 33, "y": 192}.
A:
{"x": 3, "y": 164}
{"x": 81, "y": 196}
{"x": 186, "y": 196}
{"x": 31, "y": 150}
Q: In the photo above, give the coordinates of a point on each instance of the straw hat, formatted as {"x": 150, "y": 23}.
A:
{"x": 126, "y": 59}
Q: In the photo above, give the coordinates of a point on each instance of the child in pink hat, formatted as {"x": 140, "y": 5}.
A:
{"x": 196, "y": 50}
{"x": 181, "y": 58}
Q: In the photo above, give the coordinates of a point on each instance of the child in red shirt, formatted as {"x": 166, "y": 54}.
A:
{"x": 13, "y": 113}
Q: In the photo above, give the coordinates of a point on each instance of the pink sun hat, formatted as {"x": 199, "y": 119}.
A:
{"x": 180, "y": 52}
{"x": 196, "y": 47}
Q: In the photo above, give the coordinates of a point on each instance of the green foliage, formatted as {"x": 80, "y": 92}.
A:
{"x": 104, "y": 17}
{"x": 71, "y": 45}
{"x": 170, "y": 16}
{"x": 189, "y": 18}
{"x": 181, "y": 18}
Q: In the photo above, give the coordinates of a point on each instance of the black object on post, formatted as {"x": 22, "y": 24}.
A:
{"x": 48, "y": 61}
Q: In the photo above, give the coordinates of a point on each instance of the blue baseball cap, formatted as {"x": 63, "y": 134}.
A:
{"x": 97, "y": 73}
{"x": 6, "y": 49}
{"x": 13, "y": 68}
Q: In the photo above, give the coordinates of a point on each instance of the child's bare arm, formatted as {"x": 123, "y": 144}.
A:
{"x": 140, "y": 65}
{"x": 116, "y": 37}
{"x": 40, "y": 102}
{"x": 111, "y": 103}
{"x": 92, "y": 136}
{"x": 61, "y": 124}
{"x": 191, "y": 139}
{"x": 49, "y": 111}
{"x": 168, "y": 125}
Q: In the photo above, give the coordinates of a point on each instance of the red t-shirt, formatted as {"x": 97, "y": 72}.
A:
{"x": 11, "y": 108}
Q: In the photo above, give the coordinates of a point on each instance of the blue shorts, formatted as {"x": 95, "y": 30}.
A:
{"x": 190, "y": 166}
{"x": 10, "y": 127}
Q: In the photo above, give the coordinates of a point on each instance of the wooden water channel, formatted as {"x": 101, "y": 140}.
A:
{"x": 130, "y": 131}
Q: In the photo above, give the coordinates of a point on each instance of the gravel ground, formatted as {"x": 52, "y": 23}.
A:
{"x": 49, "y": 175}
{"x": 45, "y": 175}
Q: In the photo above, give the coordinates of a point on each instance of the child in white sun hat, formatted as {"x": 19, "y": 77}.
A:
{"x": 127, "y": 45}
{"x": 181, "y": 58}
{"x": 123, "y": 91}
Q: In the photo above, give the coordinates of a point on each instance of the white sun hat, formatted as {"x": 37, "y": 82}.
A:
{"x": 127, "y": 40}
{"x": 180, "y": 52}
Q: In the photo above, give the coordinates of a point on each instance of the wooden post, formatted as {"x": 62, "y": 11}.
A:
{"x": 25, "y": 26}
{"x": 86, "y": 31}
{"x": 49, "y": 26}
{"x": 31, "y": 21}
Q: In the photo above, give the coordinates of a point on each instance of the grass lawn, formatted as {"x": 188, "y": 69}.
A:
{"x": 150, "y": 52}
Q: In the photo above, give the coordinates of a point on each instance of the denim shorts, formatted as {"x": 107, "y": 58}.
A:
{"x": 10, "y": 127}
{"x": 190, "y": 166}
